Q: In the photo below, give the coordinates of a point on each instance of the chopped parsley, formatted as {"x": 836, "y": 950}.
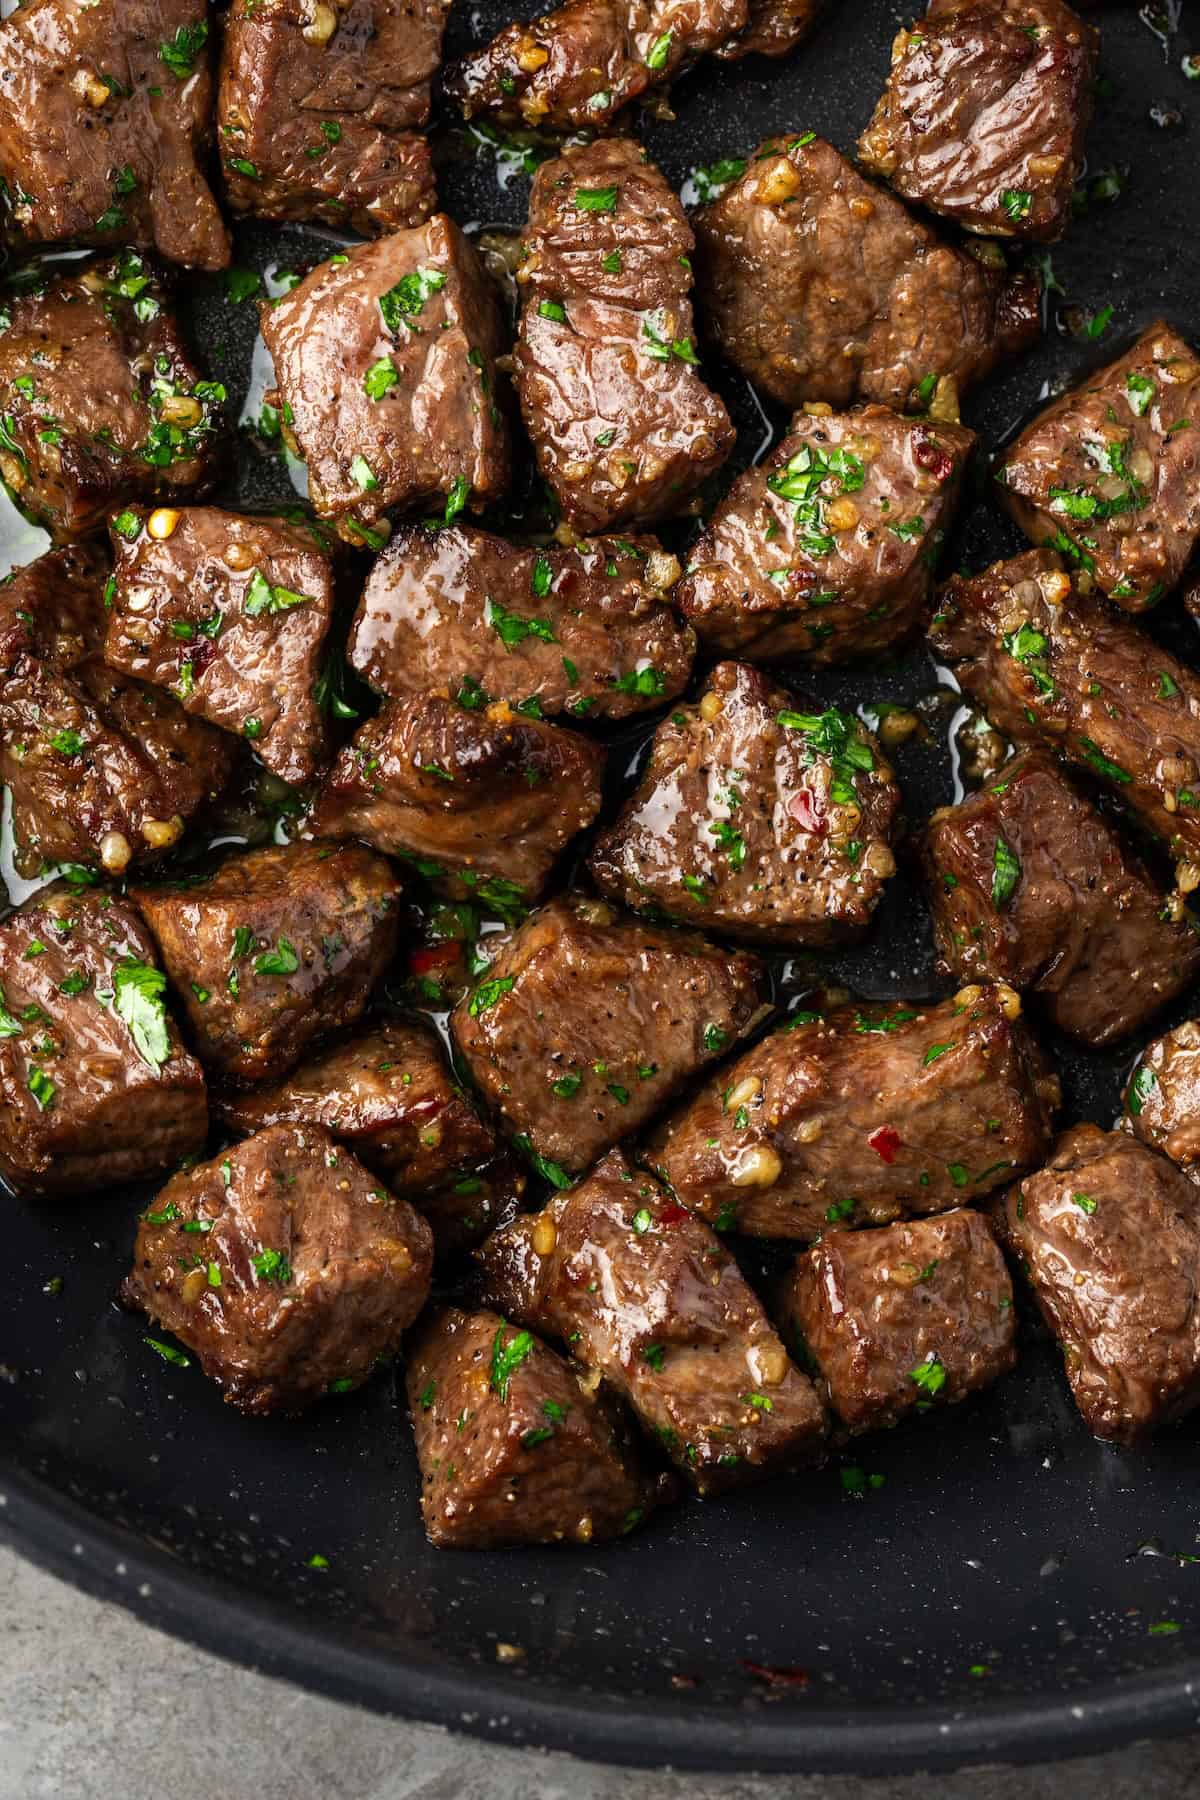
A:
{"x": 1006, "y": 872}
{"x": 138, "y": 990}
{"x": 507, "y": 1358}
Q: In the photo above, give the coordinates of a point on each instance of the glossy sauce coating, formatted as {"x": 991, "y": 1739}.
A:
{"x": 643, "y": 1292}
{"x": 1162, "y": 1096}
{"x": 1048, "y": 666}
{"x": 863, "y": 1115}
{"x": 757, "y": 815}
{"x": 897, "y": 1321}
{"x": 584, "y": 631}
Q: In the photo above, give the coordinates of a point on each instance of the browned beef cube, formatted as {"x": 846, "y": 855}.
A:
{"x": 644, "y": 1293}
{"x": 1162, "y": 1099}
{"x": 96, "y": 1088}
{"x": 774, "y": 28}
{"x": 904, "y": 1318}
{"x": 101, "y": 401}
{"x": 481, "y": 802}
{"x": 283, "y": 1266}
{"x": 275, "y": 947}
{"x": 104, "y": 111}
{"x": 826, "y": 550}
{"x": 229, "y": 614}
{"x": 819, "y": 286}
{"x": 1109, "y": 474}
{"x": 1109, "y": 1233}
{"x": 756, "y": 815}
{"x": 1030, "y": 885}
{"x": 585, "y": 630}
{"x": 863, "y": 1115}
{"x": 102, "y": 770}
{"x": 385, "y": 359}
{"x": 623, "y": 427}
{"x": 388, "y": 1095}
{"x": 586, "y": 1022}
{"x": 513, "y": 1448}
{"x": 317, "y": 125}
{"x": 576, "y": 67}
{"x": 1047, "y": 666}
{"x": 985, "y": 114}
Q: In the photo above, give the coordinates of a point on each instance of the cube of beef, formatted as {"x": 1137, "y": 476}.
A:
{"x": 985, "y": 114}
{"x": 229, "y": 614}
{"x": 481, "y": 802}
{"x": 1109, "y": 1233}
{"x": 586, "y": 1022}
{"x": 96, "y": 1088}
{"x": 756, "y": 816}
{"x": 578, "y": 65}
{"x": 585, "y": 631}
{"x": 819, "y": 286}
{"x": 101, "y": 769}
{"x": 1162, "y": 1098}
{"x": 513, "y": 1448}
{"x": 100, "y": 398}
{"x": 104, "y": 113}
{"x": 622, "y": 425}
{"x": 826, "y": 550}
{"x": 387, "y": 1094}
{"x": 1047, "y": 666}
{"x": 773, "y": 28}
{"x": 273, "y": 948}
{"x": 1109, "y": 474}
{"x": 900, "y": 1319}
{"x": 385, "y": 361}
{"x": 318, "y": 125}
{"x": 283, "y": 1266}
{"x": 863, "y": 1115}
{"x": 644, "y": 1294}
{"x": 1031, "y": 886}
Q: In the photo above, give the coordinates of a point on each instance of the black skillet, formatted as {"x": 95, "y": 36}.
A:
{"x": 1013, "y": 1590}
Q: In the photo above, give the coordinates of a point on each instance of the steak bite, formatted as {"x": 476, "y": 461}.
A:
{"x": 229, "y": 614}
{"x": 101, "y": 769}
{"x": 773, "y": 28}
{"x": 826, "y": 550}
{"x": 388, "y": 1095}
{"x": 584, "y": 630}
{"x": 863, "y": 1115}
{"x": 481, "y": 802}
{"x": 101, "y": 401}
{"x": 586, "y": 1022}
{"x": 104, "y": 112}
{"x": 820, "y": 286}
{"x": 1162, "y": 1099}
{"x": 755, "y": 818}
{"x": 385, "y": 362}
{"x": 606, "y": 367}
{"x": 1109, "y": 1233}
{"x": 1031, "y": 886}
{"x": 319, "y": 125}
{"x": 1047, "y": 666}
{"x": 275, "y": 947}
{"x": 96, "y": 1088}
{"x": 985, "y": 114}
{"x": 513, "y": 1448}
{"x": 1109, "y": 474}
{"x": 283, "y": 1266}
{"x": 644, "y": 1294}
{"x": 900, "y": 1319}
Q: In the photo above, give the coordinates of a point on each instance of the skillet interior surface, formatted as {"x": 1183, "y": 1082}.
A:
{"x": 1013, "y": 1589}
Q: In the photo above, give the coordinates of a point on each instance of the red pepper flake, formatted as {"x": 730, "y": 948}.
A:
{"x": 775, "y": 1677}
{"x": 931, "y": 457}
{"x": 804, "y": 808}
{"x": 672, "y": 1213}
{"x": 437, "y": 956}
{"x": 885, "y": 1141}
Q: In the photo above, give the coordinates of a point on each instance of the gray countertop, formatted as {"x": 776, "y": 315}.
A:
{"x": 93, "y": 1703}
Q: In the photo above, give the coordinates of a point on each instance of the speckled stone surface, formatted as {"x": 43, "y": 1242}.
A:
{"x": 94, "y": 1704}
